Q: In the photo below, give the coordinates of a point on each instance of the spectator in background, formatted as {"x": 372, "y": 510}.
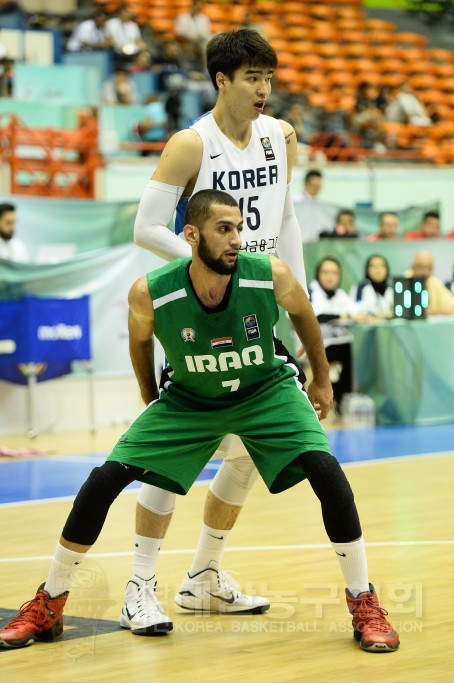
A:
{"x": 441, "y": 301}
{"x": 193, "y": 26}
{"x": 124, "y": 35}
{"x": 429, "y": 228}
{"x": 153, "y": 128}
{"x": 388, "y": 227}
{"x": 383, "y": 98}
{"x": 120, "y": 89}
{"x": 367, "y": 119}
{"x": 406, "y": 107}
{"x": 11, "y": 247}
{"x": 142, "y": 62}
{"x": 312, "y": 184}
{"x": 294, "y": 115}
{"x": 344, "y": 227}
{"x": 334, "y": 309}
{"x": 374, "y": 295}
{"x": 90, "y": 34}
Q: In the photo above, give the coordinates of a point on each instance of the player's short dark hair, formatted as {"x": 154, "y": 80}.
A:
{"x": 6, "y": 206}
{"x": 228, "y": 51}
{"x": 199, "y": 206}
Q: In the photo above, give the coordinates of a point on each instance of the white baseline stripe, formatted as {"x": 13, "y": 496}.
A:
{"x": 247, "y": 549}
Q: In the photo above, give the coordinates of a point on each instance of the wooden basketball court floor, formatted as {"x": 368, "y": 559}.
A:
{"x": 403, "y": 483}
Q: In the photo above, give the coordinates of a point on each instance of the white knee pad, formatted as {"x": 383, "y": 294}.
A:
{"x": 156, "y": 500}
{"x": 234, "y": 480}
{"x": 231, "y": 447}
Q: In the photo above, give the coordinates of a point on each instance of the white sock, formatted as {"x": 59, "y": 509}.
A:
{"x": 61, "y": 567}
{"x": 352, "y": 559}
{"x": 210, "y": 547}
{"x": 145, "y": 556}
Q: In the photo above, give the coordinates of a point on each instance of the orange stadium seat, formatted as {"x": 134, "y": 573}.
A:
{"x": 350, "y": 12}
{"x": 440, "y": 55}
{"x": 216, "y": 12}
{"x": 354, "y": 50}
{"x": 384, "y": 52}
{"x": 357, "y": 37}
{"x": 310, "y": 62}
{"x": 409, "y": 38}
{"x": 380, "y": 37}
{"x": 411, "y": 54}
{"x": 302, "y": 20}
{"x": 325, "y": 32}
{"x": 379, "y": 25}
{"x": 301, "y": 47}
{"x": 422, "y": 81}
{"x": 280, "y": 45}
{"x": 342, "y": 78}
{"x": 421, "y": 67}
{"x": 392, "y": 66}
{"x": 446, "y": 84}
{"x": 337, "y": 64}
{"x": 321, "y": 12}
{"x": 349, "y": 23}
{"x": 430, "y": 96}
{"x": 327, "y": 50}
{"x": 442, "y": 70}
{"x": 295, "y": 33}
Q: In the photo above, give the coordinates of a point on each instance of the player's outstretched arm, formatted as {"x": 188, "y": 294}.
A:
{"x": 174, "y": 176}
{"x": 292, "y": 297}
{"x": 141, "y": 328}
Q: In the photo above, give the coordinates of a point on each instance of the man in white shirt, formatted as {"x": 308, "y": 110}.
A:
{"x": 90, "y": 34}
{"x": 124, "y": 33}
{"x": 11, "y": 248}
{"x": 194, "y": 25}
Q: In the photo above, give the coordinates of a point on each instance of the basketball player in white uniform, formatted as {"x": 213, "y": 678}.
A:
{"x": 237, "y": 149}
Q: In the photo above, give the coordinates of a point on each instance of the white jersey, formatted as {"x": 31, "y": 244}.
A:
{"x": 256, "y": 176}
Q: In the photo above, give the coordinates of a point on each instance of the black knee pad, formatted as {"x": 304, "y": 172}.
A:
{"x": 332, "y": 488}
{"x": 94, "y": 499}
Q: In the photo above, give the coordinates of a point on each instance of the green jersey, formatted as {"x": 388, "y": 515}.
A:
{"x": 226, "y": 354}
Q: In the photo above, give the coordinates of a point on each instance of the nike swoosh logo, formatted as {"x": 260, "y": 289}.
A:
{"x": 220, "y": 538}
{"x": 130, "y": 616}
{"x": 229, "y": 600}
{"x": 341, "y": 554}
{"x": 215, "y": 156}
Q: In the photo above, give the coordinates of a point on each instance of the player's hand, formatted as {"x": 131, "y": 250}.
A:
{"x": 321, "y": 396}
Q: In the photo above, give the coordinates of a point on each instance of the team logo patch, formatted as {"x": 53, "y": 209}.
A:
{"x": 267, "y": 148}
{"x": 221, "y": 342}
{"x": 251, "y": 327}
{"x": 188, "y": 334}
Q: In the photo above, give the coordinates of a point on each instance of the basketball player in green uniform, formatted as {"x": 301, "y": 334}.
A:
{"x": 214, "y": 315}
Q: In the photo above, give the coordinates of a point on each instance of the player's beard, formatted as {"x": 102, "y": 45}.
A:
{"x": 216, "y": 264}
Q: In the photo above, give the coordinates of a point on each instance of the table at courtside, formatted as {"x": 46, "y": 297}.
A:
{"x": 407, "y": 368}
{"x": 39, "y": 340}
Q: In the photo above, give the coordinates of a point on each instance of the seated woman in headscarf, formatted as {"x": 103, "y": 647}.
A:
{"x": 374, "y": 294}
{"x": 334, "y": 309}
